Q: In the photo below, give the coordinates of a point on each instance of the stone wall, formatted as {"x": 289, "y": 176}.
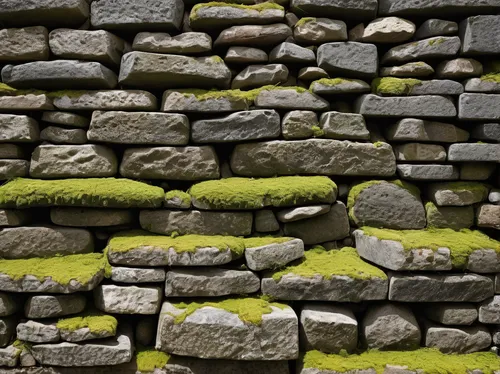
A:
{"x": 304, "y": 186}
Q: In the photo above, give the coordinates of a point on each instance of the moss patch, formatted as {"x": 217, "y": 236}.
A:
{"x": 193, "y": 16}
{"x": 249, "y": 96}
{"x": 265, "y": 240}
{"x": 360, "y": 187}
{"x": 5, "y": 89}
{"x": 492, "y": 77}
{"x": 427, "y": 359}
{"x": 305, "y": 20}
{"x": 394, "y": 86}
{"x": 318, "y": 261}
{"x": 149, "y": 359}
{"x": 331, "y": 82}
{"x": 89, "y": 192}
{"x": 96, "y": 323}
{"x": 461, "y": 243}
{"x": 183, "y": 196}
{"x": 438, "y": 41}
{"x": 246, "y": 193}
{"x": 317, "y": 131}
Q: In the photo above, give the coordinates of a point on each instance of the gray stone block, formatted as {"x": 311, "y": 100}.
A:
{"x": 488, "y": 216}
{"x": 411, "y": 129}
{"x": 18, "y": 129}
{"x": 456, "y": 218}
{"x": 185, "y": 102}
{"x": 336, "y": 8}
{"x": 474, "y": 152}
{"x": 191, "y": 365}
{"x": 265, "y": 221}
{"x": 26, "y": 44}
{"x": 7, "y": 330}
{"x": 349, "y": 59}
{"x": 12, "y": 218}
{"x": 336, "y": 125}
{"x": 274, "y": 255}
{"x": 414, "y": 172}
{"x": 137, "y": 275}
{"x": 290, "y": 98}
{"x": 254, "y": 76}
{"x": 451, "y": 313}
{"x": 482, "y": 85}
{"x": 420, "y": 152}
{"x": 51, "y": 306}
{"x": 459, "y": 68}
{"x": 187, "y": 43}
{"x": 107, "y": 100}
{"x": 457, "y": 339}
{"x": 8, "y": 304}
{"x": 480, "y": 35}
{"x": 320, "y": 30}
{"x": 29, "y": 102}
{"x": 476, "y": 106}
{"x": 430, "y": 7}
{"x": 436, "y": 27}
{"x": 111, "y": 298}
{"x": 58, "y": 135}
{"x": 289, "y": 53}
{"x": 253, "y": 35}
{"x": 38, "y": 332}
{"x": 10, "y": 169}
{"x": 437, "y": 47}
{"x": 11, "y": 151}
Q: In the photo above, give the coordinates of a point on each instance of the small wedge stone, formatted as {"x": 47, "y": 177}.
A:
{"x": 458, "y": 340}
{"x": 289, "y": 53}
{"x": 436, "y": 27}
{"x": 411, "y": 129}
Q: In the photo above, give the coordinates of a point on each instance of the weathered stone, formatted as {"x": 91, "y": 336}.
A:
{"x": 177, "y": 201}
{"x": 467, "y": 339}
{"x": 83, "y": 217}
{"x": 339, "y": 86}
{"x": 25, "y": 102}
{"x": 174, "y": 163}
{"x": 336, "y": 8}
{"x": 290, "y": 98}
{"x": 139, "y": 128}
{"x": 333, "y": 225}
{"x": 319, "y": 31}
{"x": 12, "y": 218}
{"x": 459, "y": 68}
{"x": 245, "y": 55}
{"x": 210, "y": 282}
{"x": 186, "y": 102}
{"x": 253, "y": 35}
{"x": 336, "y": 125}
{"x": 260, "y": 75}
{"x": 311, "y": 73}
{"x": 349, "y": 59}
{"x": 184, "y": 44}
{"x": 197, "y": 222}
{"x": 290, "y": 53}
{"x": 10, "y": 169}
{"x": 8, "y": 304}
{"x": 427, "y": 172}
{"x": 59, "y": 75}
{"x": 436, "y": 27}
{"x": 43, "y": 241}
{"x": 26, "y": 44}
{"x": 475, "y": 152}
{"x": 314, "y": 156}
{"x": 477, "y": 106}
{"x": 275, "y": 255}
{"x": 84, "y": 333}
{"x": 265, "y": 221}
{"x": 482, "y": 85}
{"x": 26, "y": 359}
{"x": 65, "y": 161}
{"x": 51, "y": 306}
{"x": 130, "y": 15}
{"x": 408, "y": 70}
{"x": 440, "y": 288}
{"x": 437, "y": 47}
{"x": 455, "y": 218}
{"x": 437, "y": 87}
{"x": 7, "y": 330}
{"x": 107, "y": 100}
{"x": 163, "y": 71}
{"x": 18, "y": 129}
{"x": 299, "y": 124}
{"x": 383, "y": 30}
{"x": 451, "y": 313}
{"x": 480, "y": 35}
{"x": 9, "y": 356}
{"x": 95, "y": 45}
{"x": 38, "y": 332}
{"x": 11, "y": 151}
{"x": 489, "y": 311}
{"x": 412, "y": 106}
{"x": 66, "y": 119}
{"x": 430, "y": 7}
{"x": 128, "y": 299}
{"x": 58, "y": 135}
{"x": 328, "y": 328}
{"x": 420, "y": 152}
{"x": 300, "y": 213}
{"x": 411, "y": 129}
{"x": 390, "y": 327}
{"x": 275, "y": 338}
{"x": 137, "y": 275}
{"x": 457, "y": 194}
{"x": 489, "y": 216}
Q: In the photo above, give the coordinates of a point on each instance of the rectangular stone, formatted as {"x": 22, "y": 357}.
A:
{"x": 11, "y": 217}
{"x": 480, "y": 35}
{"x": 474, "y": 106}
{"x": 475, "y": 152}
{"x": 142, "y": 300}
{"x": 26, "y": 44}
{"x": 420, "y": 152}
{"x": 11, "y": 151}
{"x": 336, "y": 8}
{"x": 25, "y": 102}
{"x": 18, "y": 129}
{"x": 414, "y": 172}
{"x": 412, "y": 129}
{"x": 106, "y": 100}
{"x": 10, "y": 169}
{"x": 428, "y": 8}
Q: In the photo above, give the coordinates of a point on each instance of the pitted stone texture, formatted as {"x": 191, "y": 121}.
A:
{"x": 84, "y": 333}
{"x": 66, "y": 119}
{"x": 489, "y": 216}
{"x": 345, "y": 86}
{"x": 83, "y": 217}
{"x": 10, "y": 169}
{"x": 475, "y": 152}
{"x": 409, "y": 70}
{"x": 489, "y": 311}
{"x": 336, "y": 125}
{"x": 51, "y": 306}
{"x": 9, "y": 356}
{"x": 210, "y": 282}
{"x": 137, "y": 275}
{"x": 476, "y": 106}
{"x": 315, "y": 156}
{"x": 246, "y": 55}
{"x": 253, "y": 35}
{"x": 187, "y": 43}
{"x": 480, "y": 35}
{"x": 128, "y": 299}
{"x": 174, "y": 163}
{"x": 452, "y": 313}
{"x": 7, "y": 330}
{"x": 163, "y": 71}
{"x": 336, "y": 8}
{"x": 437, "y": 47}
{"x": 319, "y": 31}
{"x": 139, "y": 128}
{"x": 438, "y": 87}
{"x": 430, "y": 7}
{"x": 328, "y": 328}
{"x": 44, "y": 241}
{"x": 303, "y": 212}
{"x": 430, "y": 106}
{"x": 265, "y": 221}
{"x": 440, "y": 288}
{"x": 411, "y": 129}
{"x": 12, "y": 218}
{"x": 260, "y": 75}
{"x": 59, "y": 75}
{"x": 290, "y": 98}
{"x": 458, "y": 339}
{"x": 26, "y": 44}
{"x": 420, "y": 152}
{"x": 275, "y": 338}
{"x": 240, "y": 126}
{"x": 66, "y": 161}
{"x": 8, "y": 304}
{"x": 11, "y": 151}
{"x": 383, "y": 30}
{"x": 18, "y": 129}
{"x": 272, "y": 256}
{"x": 444, "y": 194}
{"x": 197, "y": 222}
{"x": 482, "y": 85}
{"x": 349, "y": 59}
{"x": 191, "y": 365}
{"x": 180, "y": 102}
{"x": 58, "y": 135}
{"x": 459, "y": 68}
{"x": 107, "y": 100}
{"x": 413, "y": 172}
{"x": 38, "y": 332}
{"x": 455, "y": 218}
{"x": 289, "y": 53}
{"x": 436, "y": 27}
{"x": 25, "y": 102}
{"x": 130, "y": 15}
{"x": 298, "y": 124}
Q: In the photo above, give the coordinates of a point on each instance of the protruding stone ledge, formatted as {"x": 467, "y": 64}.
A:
{"x": 336, "y": 8}
{"x": 104, "y": 100}
{"x": 203, "y": 101}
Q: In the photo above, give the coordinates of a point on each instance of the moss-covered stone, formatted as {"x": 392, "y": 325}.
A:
{"x": 491, "y": 77}
{"x": 95, "y": 322}
{"x": 330, "y": 81}
{"x": 257, "y": 7}
{"x": 148, "y": 359}
{"x": 265, "y": 240}
{"x": 305, "y": 20}
{"x": 317, "y": 131}
{"x": 182, "y": 196}
{"x": 438, "y": 41}
{"x": 394, "y": 86}
{"x": 360, "y": 187}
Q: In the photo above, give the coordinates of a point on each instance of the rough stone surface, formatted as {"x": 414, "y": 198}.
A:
{"x": 494, "y": 196}
{"x": 303, "y": 212}
{"x": 336, "y": 8}
{"x": 187, "y": 43}
{"x": 349, "y": 126}
{"x": 287, "y": 99}
{"x": 25, "y": 102}
{"x": 420, "y": 152}
{"x": 345, "y": 86}
{"x": 481, "y": 85}
{"x": 459, "y": 68}
{"x": 38, "y": 332}
{"x": 349, "y": 59}
{"x": 437, "y": 47}
{"x": 18, "y": 129}
{"x": 26, "y": 44}
{"x": 409, "y": 70}
{"x": 12, "y": 151}
{"x": 428, "y": 172}
{"x": 480, "y": 35}
{"x": 265, "y": 221}
{"x": 458, "y": 339}
{"x": 137, "y": 275}
{"x": 291, "y": 53}
{"x": 51, "y": 306}
{"x": 298, "y": 124}
{"x": 83, "y": 217}
{"x": 319, "y": 31}
{"x": 83, "y": 334}
{"x": 246, "y": 55}
{"x": 443, "y": 194}
{"x": 489, "y": 216}
{"x": 383, "y": 30}
{"x": 66, "y": 119}
{"x": 9, "y": 356}
{"x": 107, "y": 100}
{"x": 455, "y": 218}
{"x": 10, "y": 169}
{"x": 474, "y": 152}
{"x": 477, "y": 106}
{"x": 58, "y": 135}
{"x": 452, "y": 313}
{"x": 438, "y": 87}
{"x": 436, "y": 27}
{"x": 411, "y": 129}
{"x": 430, "y": 7}
{"x": 260, "y": 75}
{"x": 180, "y": 102}
{"x": 7, "y": 331}
{"x": 273, "y": 256}
{"x": 253, "y": 35}
{"x": 489, "y": 311}
{"x": 128, "y": 299}
{"x": 12, "y": 218}
{"x": 8, "y": 304}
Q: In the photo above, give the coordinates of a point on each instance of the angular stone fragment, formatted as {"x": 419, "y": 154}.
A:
{"x": 10, "y": 169}
{"x": 349, "y": 59}
{"x": 457, "y": 193}
{"x": 8, "y": 304}
{"x": 482, "y": 85}
{"x": 427, "y": 172}
{"x": 437, "y": 47}
{"x": 459, "y": 68}
{"x": 489, "y": 311}
{"x": 480, "y": 35}
{"x": 290, "y": 98}
{"x": 11, "y": 218}
{"x": 339, "y": 86}
{"x": 456, "y": 218}
{"x": 57, "y": 135}
{"x": 299, "y": 124}
{"x": 300, "y": 213}
{"x": 260, "y": 75}
{"x": 336, "y": 125}
{"x": 420, "y": 152}
{"x": 315, "y": 156}
{"x": 187, "y": 43}
{"x": 383, "y": 30}
{"x": 137, "y": 275}
{"x": 265, "y": 221}
{"x": 9, "y": 356}
{"x": 289, "y": 53}
{"x": 411, "y": 129}
{"x": 475, "y": 152}
{"x": 59, "y": 75}
{"x": 18, "y": 129}
{"x": 336, "y": 8}
{"x": 489, "y": 216}
{"x": 38, "y": 332}
{"x": 245, "y": 55}
{"x": 319, "y": 30}
{"x": 51, "y": 306}
{"x": 186, "y": 102}
{"x": 107, "y": 100}
{"x": 11, "y": 151}
{"x": 128, "y": 299}
{"x": 273, "y": 255}
{"x": 440, "y": 288}
{"x": 430, "y": 7}
{"x": 412, "y": 106}
{"x": 130, "y": 15}
{"x": 26, "y": 44}
{"x": 477, "y": 106}
{"x": 65, "y": 161}
{"x": 175, "y": 163}
{"x": 83, "y": 217}
{"x": 25, "y": 102}
{"x": 253, "y": 35}
{"x": 494, "y": 196}
{"x": 139, "y": 128}
{"x": 436, "y": 27}
{"x": 451, "y": 313}
{"x": 458, "y": 340}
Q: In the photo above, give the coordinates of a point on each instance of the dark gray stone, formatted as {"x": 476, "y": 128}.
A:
{"x": 265, "y": 221}
{"x": 477, "y": 106}
{"x": 290, "y": 98}
{"x": 38, "y": 332}
{"x": 477, "y": 171}
{"x": 420, "y": 152}
{"x": 480, "y": 35}
{"x": 66, "y": 119}
{"x": 7, "y": 330}
{"x": 83, "y": 217}
{"x": 462, "y": 340}
{"x": 51, "y": 306}
{"x": 275, "y": 255}
{"x": 482, "y": 85}
{"x": 8, "y": 304}
{"x": 290, "y": 53}
{"x": 137, "y": 275}
{"x": 27, "y": 102}
{"x": 427, "y": 172}
{"x": 455, "y": 218}
{"x": 12, "y": 218}
{"x": 383, "y": 30}
{"x": 349, "y": 59}
{"x": 11, "y": 151}
{"x": 430, "y": 7}
{"x": 260, "y": 75}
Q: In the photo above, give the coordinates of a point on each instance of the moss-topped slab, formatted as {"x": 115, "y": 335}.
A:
{"x": 205, "y": 101}
{"x": 90, "y": 192}
{"x": 239, "y": 329}
{"x": 87, "y": 327}
{"x": 65, "y": 274}
{"x": 430, "y": 249}
{"x": 329, "y": 276}
{"x": 489, "y": 83}
{"x": 332, "y": 86}
{"x": 247, "y": 193}
{"x": 390, "y": 86}
{"x": 272, "y": 253}
{"x": 457, "y": 193}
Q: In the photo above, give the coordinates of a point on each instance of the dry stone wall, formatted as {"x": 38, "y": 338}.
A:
{"x": 288, "y": 187}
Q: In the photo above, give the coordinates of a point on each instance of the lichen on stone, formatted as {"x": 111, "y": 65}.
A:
{"x": 257, "y": 7}
{"x": 460, "y": 187}
{"x": 394, "y": 86}
{"x": 331, "y": 82}
{"x": 183, "y": 196}
{"x": 95, "y": 322}
{"x": 305, "y": 20}
{"x": 149, "y": 359}
{"x": 438, "y": 41}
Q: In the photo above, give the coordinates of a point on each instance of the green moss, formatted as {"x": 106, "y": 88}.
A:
{"x": 217, "y": 59}
{"x": 492, "y": 77}
{"x": 360, "y": 187}
{"x": 62, "y": 269}
{"x": 249, "y": 96}
{"x": 438, "y": 41}
{"x": 378, "y": 144}
{"x": 193, "y": 16}
{"x": 331, "y": 82}
{"x": 6, "y": 89}
{"x": 69, "y": 93}
{"x": 474, "y": 187}
{"x": 149, "y": 359}
{"x": 249, "y": 310}
{"x": 305, "y": 20}
{"x": 90, "y": 192}
{"x": 183, "y": 196}
{"x": 317, "y": 131}
{"x": 427, "y": 359}
{"x": 394, "y": 86}
{"x": 265, "y": 240}
{"x": 95, "y": 322}
{"x": 318, "y": 261}
{"x": 461, "y": 243}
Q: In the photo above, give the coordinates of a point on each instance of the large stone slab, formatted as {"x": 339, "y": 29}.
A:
{"x": 187, "y": 43}
{"x": 412, "y": 129}
{"x": 10, "y": 169}
{"x": 130, "y": 15}
{"x": 477, "y": 106}
{"x": 83, "y": 217}
{"x": 106, "y": 100}
{"x": 290, "y": 98}
{"x": 452, "y": 313}
{"x": 137, "y": 275}
{"x": 66, "y": 161}
{"x": 479, "y": 35}
{"x": 38, "y": 332}
{"x": 18, "y": 129}
{"x": 475, "y": 152}
{"x": 59, "y": 75}
{"x": 274, "y": 338}
{"x": 174, "y": 163}
{"x": 315, "y": 156}
{"x": 111, "y": 298}
{"x": 437, "y": 47}
{"x": 425, "y": 172}
{"x": 336, "y": 8}
{"x": 26, "y": 44}
{"x": 51, "y": 306}
{"x": 274, "y": 255}
{"x": 180, "y": 101}
{"x": 457, "y": 339}
{"x": 359, "y": 60}
{"x": 253, "y": 35}
{"x": 163, "y": 71}
{"x": 25, "y": 102}
{"x": 139, "y": 128}
{"x": 430, "y": 7}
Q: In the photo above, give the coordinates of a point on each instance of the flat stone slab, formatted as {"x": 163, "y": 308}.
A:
{"x": 320, "y": 30}
{"x": 137, "y": 275}
{"x": 25, "y": 102}
{"x": 25, "y": 44}
{"x": 272, "y": 256}
{"x": 106, "y": 100}
{"x": 336, "y": 8}
{"x": 477, "y": 106}
{"x": 414, "y": 172}
{"x": 343, "y": 126}
{"x": 436, "y": 47}
{"x": 430, "y": 7}
{"x": 418, "y": 69}
{"x": 253, "y": 35}
{"x": 466, "y": 339}
{"x": 475, "y": 152}
{"x": 274, "y": 338}
{"x": 457, "y": 193}
{"x": 66, "y": 119}
{"x": 128, "y": 299}
{"x": 315, "y": 156}
{"x": 440, "y": 288}
{"x": 482, "y": 85}
{"x": 255, "y": 76}
{"x": 184, "y": 101}
{"x": 412, "y": 129}
{"x": 38, "y": 332}
{"x": 359, "y": 60}
{"x": 58, "y": 135}
{"x": 326, "y": 86}
{"x": 187, "y": 43}
{"x": 290, "y": 98}
{"x": 452, "y": 313}
{"x": 7, "y": 330}
{"x": 83, "y": 217}
{"x": 10, "y": 169}
{"x": 18, "y": 129}
{"x": 246, "y": 55}
{"x": 51, "y": 306}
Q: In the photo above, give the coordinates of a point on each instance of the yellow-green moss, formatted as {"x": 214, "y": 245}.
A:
{"x": 332, "y": 82}
{"x": 305, "y": 20}
{"x": 427, "y": 359}
{"x": 91, "y": 192}
{"x": 62, "y": 269}
{"x": 5, "y": 89}
{"x": 492, "y": 77}
{"x": 475, "y": 187}
{"x": 248, "y": 309}
{"x": 461, "y": 243}
{"x": 264, "y": 240}
{"x": 378, "y": 144}
{"x": 438, "y": 41}
{"x": 317, "y": 131}
{"x": 247, "y": 193}
{"x": 248, "y": 96}
{"x": 149, "y": 359}
{"x": 394, "y": 86}
{"x": 217, "y": 59}
{"x": 95, "y": 322}
{"x": 193, "y": 16}
{"x": 318, "y": 261}
{"x": 360, "y": 187}
{"x": 183, "y": 196}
